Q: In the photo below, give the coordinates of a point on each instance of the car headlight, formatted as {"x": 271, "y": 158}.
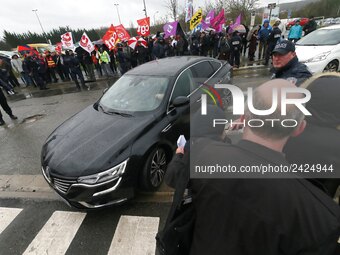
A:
{"x": 105, "y": 176}
{"x": 319, "y": 57}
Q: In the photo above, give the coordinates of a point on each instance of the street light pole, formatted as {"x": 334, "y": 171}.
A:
{"x": 35, "y": 11}
{"x": 154, "y": 18}
{"x": 145, "y": 8}
{"x": 118, "y": 13}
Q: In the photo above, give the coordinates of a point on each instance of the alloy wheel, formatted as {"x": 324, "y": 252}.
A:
{"x": 158, "y": 166}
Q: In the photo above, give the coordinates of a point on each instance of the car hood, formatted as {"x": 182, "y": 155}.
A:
{"x": 307, "y": 52}
{"x": 91, "y": 142}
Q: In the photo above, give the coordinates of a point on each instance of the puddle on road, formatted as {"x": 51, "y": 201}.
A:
{"x": 32, "y": 119}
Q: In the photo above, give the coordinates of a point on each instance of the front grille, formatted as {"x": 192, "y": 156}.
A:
{"x": 62, "y": 185}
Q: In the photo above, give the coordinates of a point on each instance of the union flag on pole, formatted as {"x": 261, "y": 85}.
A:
{"x": 143, "y": 28}
{"x": 86, "y": 43}
{"x": 111, "y": 38}
{"x": 123, "y": 35}
{"x": 67, "y": 40}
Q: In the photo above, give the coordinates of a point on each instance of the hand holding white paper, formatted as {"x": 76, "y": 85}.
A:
{"x": 181, "y": 141}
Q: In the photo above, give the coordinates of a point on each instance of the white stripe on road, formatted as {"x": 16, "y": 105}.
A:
{"x": 57, "y": 234}
{"x": 135, "y": 236}
{"x": 7, "y": 215}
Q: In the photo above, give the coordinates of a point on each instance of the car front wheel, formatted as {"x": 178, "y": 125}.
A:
{"x": 332, "y": 66}
{"x": 154, "y": 170}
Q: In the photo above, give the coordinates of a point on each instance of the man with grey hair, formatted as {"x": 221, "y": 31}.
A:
{"x": 241, "y": 214}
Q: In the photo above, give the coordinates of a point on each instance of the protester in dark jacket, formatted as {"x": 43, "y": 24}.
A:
{"x": 7, "y": 109}
{"x": 73, "y": 64}
{"x": 273, "y": 38}
{"x": 236, "y": 46}
{"x": 158, "y": 49}
{"x": 178, "y": 168}
{"x": 286, "y": 64}
{"x": 263, "y": 35}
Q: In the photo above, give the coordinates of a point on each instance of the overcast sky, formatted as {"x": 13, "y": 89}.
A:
{"x": 17, "y": 15}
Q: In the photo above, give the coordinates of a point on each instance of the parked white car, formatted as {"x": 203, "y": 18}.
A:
{"x": 320, "y": 50}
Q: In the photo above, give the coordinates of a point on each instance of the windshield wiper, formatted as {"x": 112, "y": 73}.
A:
{"x": 120, "y": 113}
{"x": 101, "y": 107}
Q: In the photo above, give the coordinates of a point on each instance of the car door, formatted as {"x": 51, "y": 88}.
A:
{"x": 178, "y": 117}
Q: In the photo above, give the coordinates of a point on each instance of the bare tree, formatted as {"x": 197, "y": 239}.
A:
{"x": 243, "y": 7}
{"x": 172, "y": 5}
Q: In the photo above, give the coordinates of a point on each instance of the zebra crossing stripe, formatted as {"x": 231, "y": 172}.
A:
{"x": 135, "y": 236}
{"x": 57, "y": 234}
{"x": 7, "y": 215}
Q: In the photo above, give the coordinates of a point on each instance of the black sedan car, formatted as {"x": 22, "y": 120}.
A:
{"x": 124, "y": 141}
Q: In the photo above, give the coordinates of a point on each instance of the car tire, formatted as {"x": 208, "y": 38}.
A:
{"x": 154, "y": 170}
{"x": 332, "y": 66}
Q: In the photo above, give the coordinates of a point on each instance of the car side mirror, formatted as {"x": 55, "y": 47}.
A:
{"x": 180, "y": 101}
{"x": 105, "y": 90}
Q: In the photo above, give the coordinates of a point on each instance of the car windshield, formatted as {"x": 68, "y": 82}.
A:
{"x": 321, "y": 37}
{"x": 135, "y": 93}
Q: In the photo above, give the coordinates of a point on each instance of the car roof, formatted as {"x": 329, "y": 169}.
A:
{"x": 331, "y": 27}
{"x": 167, "y": 66}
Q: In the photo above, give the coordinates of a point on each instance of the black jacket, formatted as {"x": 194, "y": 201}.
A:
{"x": 275, "y": 35}
{"x": 294, "y": 69}
{"x": 259, "y": 216}
{"x": 236, "y": 43}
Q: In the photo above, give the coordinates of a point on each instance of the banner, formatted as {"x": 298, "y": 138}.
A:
{"x": 188, "y": 10}
{"x": 110, "y": 38}
{"x": 86, "y": 43}
{"x": 208, "y": 19}
{"x": 143, "y": 28}
{"x": 123, "y": 35}
{"x": 67, "y": 40}
{"x": 218, "y": 21}
{"x": 196, "y": 19}
{"x": 170, "y": 29}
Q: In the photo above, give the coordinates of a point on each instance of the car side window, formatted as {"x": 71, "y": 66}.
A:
{"x": 184, "y": 85}
{"x": 203, "y": 70}
{"x": 215, "y": 65}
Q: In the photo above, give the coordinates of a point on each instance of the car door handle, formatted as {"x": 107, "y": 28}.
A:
{"x": 166, "y": 129}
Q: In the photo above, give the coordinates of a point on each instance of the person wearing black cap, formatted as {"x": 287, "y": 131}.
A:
{"x": 286, "y": 65}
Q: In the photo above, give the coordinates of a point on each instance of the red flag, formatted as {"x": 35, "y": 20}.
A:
{"x": 143, "y": 28}
{"x": 110, "y": 38}
{"x": 218, "y": 21}
{"x": 123, "y": 35}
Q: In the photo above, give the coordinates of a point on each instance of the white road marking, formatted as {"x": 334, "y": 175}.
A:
{"x": 7, "y": 215}
{"x": 57, "y": 234}
{"x": 135, "y": 236}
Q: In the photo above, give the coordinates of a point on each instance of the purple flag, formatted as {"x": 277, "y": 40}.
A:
{"x": 236, "y": 23}
{"x": 170, "y": 29}
{"x": 208, "y": 19}
{"x": 218, "y": 21}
